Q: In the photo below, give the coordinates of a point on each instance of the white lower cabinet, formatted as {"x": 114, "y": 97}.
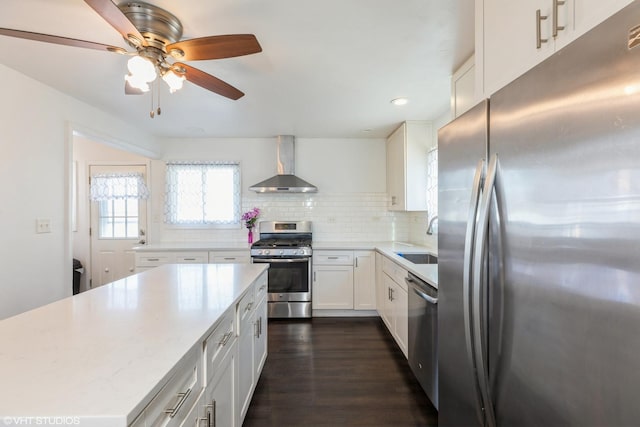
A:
{"x": 252, "y": 344}
{"x": 395, "y": 307}
{"x": 343, "y": 280}
{"x": 332, "y": 287}
{"x": 172, "y": 404}
{"x": 239, "y": 256}
{"x": 213, "y": 385}
{"x": 220, "y": 405}
{"x": 147, "y": 260}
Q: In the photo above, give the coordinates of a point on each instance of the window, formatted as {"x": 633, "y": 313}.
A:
{"x": 118, "y": 219}
{"x": 118, "y": 196}
{"x": 432, "y": 183}
{"x": 200, "y": 193}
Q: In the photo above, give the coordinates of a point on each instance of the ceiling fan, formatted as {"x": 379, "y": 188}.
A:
{"x": 155, "y": 35}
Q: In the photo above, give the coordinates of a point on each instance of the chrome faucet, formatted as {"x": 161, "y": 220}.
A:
{"x": 430, "y": 227}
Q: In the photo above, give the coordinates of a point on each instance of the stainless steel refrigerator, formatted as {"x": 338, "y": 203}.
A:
{"x": 539, "y": 243}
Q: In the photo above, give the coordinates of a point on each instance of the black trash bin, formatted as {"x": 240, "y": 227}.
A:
{"x": 77, "y": 273}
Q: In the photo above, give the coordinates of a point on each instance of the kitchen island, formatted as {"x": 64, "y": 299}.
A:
{"x": 100, "y": 358}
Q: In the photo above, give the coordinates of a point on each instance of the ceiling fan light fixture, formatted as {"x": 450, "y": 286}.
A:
{"x": 137, "y": 83}
{"x": 174, "y": 80}
{"x": 142, "y": 69}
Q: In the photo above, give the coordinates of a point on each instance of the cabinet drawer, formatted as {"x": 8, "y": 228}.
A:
{"x": 332, "y": 257}
{"x": 192, "y": 258}
{"x": 246, "y": 308}
{"x": 230, "y": 257}
{"x": 219, "y": 342}
{"x": 172, "y": 404}
{"x": 261, "y": 288}
{"x": 149, "y": 259}
{"x": 394, "y": 271}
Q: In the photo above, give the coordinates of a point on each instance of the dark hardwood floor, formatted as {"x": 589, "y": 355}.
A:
{"x": 336, "y": 372}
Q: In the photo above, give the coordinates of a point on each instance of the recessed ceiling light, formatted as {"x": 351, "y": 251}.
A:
{"x": 399, "y": 101}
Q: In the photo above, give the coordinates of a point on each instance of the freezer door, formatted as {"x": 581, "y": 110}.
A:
{"x": 565, "y": 342}
{"x": 461, "y": 145}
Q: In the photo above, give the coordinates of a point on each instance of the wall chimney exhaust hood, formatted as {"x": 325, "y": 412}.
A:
{"x": 285, "y": 181}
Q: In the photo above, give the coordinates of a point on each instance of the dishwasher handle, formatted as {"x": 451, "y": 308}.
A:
{"x": 411, "y": 283}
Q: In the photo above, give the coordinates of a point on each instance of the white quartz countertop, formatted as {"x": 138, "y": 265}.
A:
{"x": 426, "y": 272}
{"x": 191, "y": 246}
{"x": 100, "y": 356}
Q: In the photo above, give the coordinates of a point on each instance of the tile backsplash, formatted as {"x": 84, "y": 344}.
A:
{"x": 350, "y": 217}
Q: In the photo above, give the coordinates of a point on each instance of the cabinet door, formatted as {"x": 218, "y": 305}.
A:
{"x": 220, "y": 394}
{"x": 260, "y": 338}
{"x": 381, "y": 291}
{"x": 401, "y": 317}
{"x": 388, "y": 307}
{"x": 239, "y": 256}
{"x": 246, "y": 377}
{"x": 396, "y": 169}
{"x": 509, "y": 40}
{"x": 589, "y": 13}
{"x": 332, "y": 287}
{"x": 364, "y": 289}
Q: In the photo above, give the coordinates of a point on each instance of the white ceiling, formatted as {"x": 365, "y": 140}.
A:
{"x": 328, "y": 68}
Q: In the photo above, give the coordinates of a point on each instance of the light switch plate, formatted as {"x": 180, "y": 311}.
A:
{"x": 43, "y": 225}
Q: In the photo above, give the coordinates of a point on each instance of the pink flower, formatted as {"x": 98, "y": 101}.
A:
{"x": 250, "y": 217}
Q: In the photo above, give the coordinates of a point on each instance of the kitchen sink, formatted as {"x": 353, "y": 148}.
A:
{"x": 420, "y": 258}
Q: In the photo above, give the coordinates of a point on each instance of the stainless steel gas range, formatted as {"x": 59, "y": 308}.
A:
{"x": 286, "y": 247}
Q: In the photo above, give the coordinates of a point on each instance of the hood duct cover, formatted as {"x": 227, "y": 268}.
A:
{"x": 285, "y": 181}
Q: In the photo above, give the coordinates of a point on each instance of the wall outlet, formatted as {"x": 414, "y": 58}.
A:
{"x": 43, "y": 225}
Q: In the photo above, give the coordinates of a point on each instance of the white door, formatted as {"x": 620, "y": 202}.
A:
{"x": 116, "y": 226}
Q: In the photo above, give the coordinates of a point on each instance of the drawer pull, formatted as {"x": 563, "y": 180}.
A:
{"x": 211, "y": 414}
{"x": 183, "y": 398}
{"x": 248, "y": 307}
{"x": 230, "y": 258}
{"x": 262, "y": 287}
{"x": 153, "y": 259}
{"x": 189, "y": 259}
{"x": 332, "y": 257}
{"x": 225, "y": 339}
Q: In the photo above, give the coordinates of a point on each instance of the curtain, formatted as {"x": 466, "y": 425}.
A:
{"x": 432, "y": 183}
{"x": 202, "y": 193}
{"x": 114, "y": 186}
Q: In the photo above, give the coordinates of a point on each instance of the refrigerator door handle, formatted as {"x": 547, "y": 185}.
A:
{"x": 479, "y": 320}
{"x": 467, "y": 279}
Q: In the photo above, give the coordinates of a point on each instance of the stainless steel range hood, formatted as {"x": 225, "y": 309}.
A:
{"x": 285, "y": 181}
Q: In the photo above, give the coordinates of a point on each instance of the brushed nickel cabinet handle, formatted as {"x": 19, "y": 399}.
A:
{"x": 556, "y": 27}
{"x": 182, "y": 398}
{"x": 225, "y": 339}
{"x": 539, "y": 19}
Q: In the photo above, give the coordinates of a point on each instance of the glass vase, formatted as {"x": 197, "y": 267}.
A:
{"x": 250, "y": 236}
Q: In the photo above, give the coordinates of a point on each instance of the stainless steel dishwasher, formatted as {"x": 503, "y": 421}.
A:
{"x": 423, "y": 334}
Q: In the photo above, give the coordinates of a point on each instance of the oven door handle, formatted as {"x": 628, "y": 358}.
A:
{"x": 281, "y": 260}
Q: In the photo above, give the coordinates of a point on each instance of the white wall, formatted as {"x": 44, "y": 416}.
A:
{"x": 419, "y": 221}
{"x": 85, "y": 153}
{"x": 36, "y": 123}
{"x": 351, "y": 203}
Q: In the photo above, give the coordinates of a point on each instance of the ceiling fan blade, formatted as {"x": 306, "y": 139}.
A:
{"x": 215, "y": 47}
{"x": 209, "y": 82}
{"x": 118, "y": 20}
{"x": 58, "y": 40}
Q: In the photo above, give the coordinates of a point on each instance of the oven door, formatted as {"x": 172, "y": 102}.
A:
{"x": 289, "y": 278}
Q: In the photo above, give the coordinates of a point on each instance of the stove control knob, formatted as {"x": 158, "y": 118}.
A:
{"x": 301, "y": 252}
{"x": 267, "y": 252}
{"x": 281, "y": 252}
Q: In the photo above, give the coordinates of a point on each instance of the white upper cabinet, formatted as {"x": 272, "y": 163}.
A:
{"x": 407, "y": 149}
{"x": 514, "y": 36}
{"x": 463, "y": 88}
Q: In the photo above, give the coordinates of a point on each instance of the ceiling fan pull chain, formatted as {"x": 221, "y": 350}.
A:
{"x": 159, "y": 111}
{"x": 152, "y": 113}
